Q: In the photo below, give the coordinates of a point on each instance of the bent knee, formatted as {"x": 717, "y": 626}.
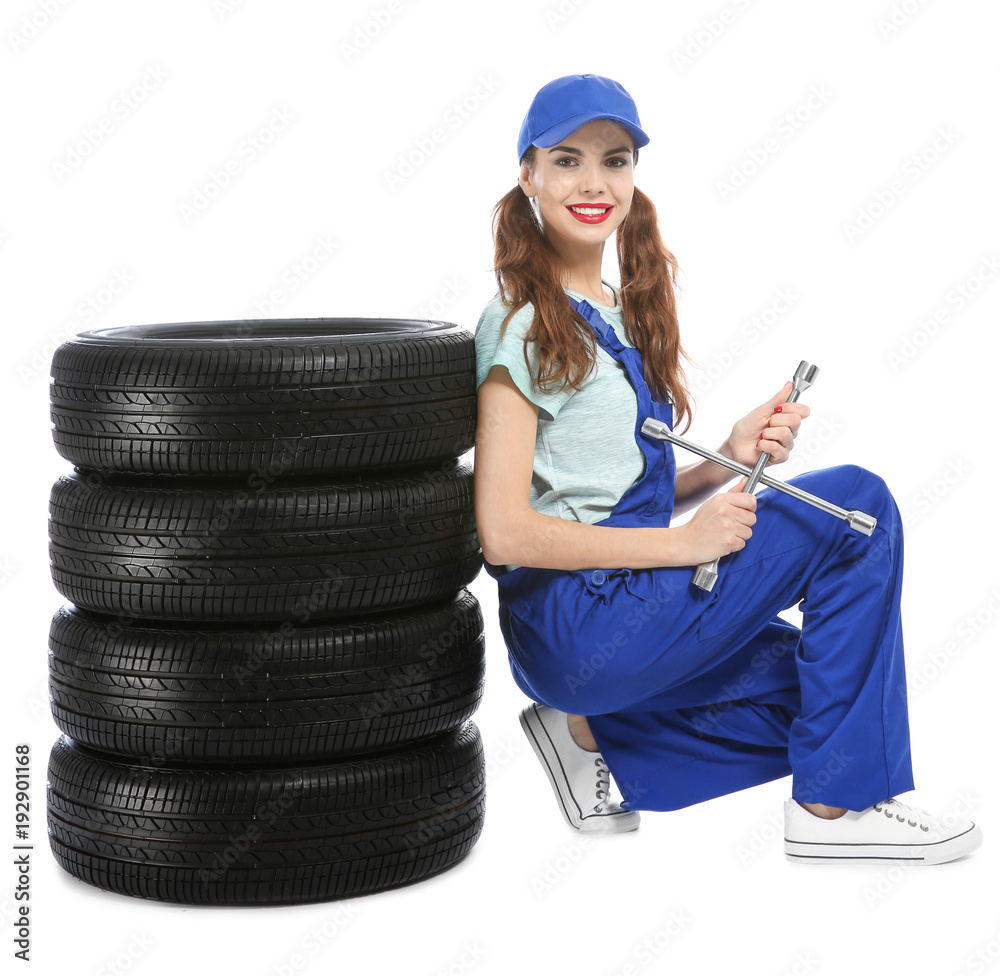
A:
{"x": 867, "y": 479}
{"x": 869, "y": 491}
{"x": 850, "y": 486}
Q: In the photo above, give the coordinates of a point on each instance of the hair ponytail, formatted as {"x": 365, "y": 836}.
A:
{"x": 649, "y": 303}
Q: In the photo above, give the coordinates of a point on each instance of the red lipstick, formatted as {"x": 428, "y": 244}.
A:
{"x": 591, "y": 218}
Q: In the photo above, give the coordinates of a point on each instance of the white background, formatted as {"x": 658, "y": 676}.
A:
{"x": 913, "y": 105}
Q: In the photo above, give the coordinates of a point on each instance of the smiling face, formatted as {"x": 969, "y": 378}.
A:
{"x": 591, "y": 169}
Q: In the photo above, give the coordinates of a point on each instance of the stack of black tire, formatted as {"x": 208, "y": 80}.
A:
{"x": 266, "y": 671}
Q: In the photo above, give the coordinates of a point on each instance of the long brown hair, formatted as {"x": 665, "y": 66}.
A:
{"x": 528, "y": 270}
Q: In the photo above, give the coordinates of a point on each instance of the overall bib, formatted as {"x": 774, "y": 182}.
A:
{"x": 692, "y": 694}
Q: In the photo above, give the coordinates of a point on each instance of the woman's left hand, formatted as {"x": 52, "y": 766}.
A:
{"x": 770, "y": 428}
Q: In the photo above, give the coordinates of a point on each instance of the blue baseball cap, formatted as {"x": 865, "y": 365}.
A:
{"x": 563, "y": 105}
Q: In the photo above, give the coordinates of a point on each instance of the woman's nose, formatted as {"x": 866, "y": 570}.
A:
{"x": 591, "y": 178}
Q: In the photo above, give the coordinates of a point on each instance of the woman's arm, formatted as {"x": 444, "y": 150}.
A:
{"x": 512, "y": 532}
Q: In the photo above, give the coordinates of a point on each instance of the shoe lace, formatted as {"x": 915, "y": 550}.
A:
{"x": 603, "y": 783}
{"x": 914, "y": 816}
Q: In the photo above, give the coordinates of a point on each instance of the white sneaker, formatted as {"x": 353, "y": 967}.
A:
{"x": 889, "y": 831}
{"x": 580, "y": 778}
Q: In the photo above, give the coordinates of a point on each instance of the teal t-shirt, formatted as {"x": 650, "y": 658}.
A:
{"x": 586, "y": 456}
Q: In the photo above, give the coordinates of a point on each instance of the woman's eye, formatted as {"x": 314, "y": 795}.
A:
{"x": 614, "y": 159}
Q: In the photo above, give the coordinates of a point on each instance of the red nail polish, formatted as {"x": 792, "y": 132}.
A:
{"x": 777, "y": 409}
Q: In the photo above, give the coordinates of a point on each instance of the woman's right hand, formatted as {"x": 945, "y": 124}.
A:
{"x": 721, "y": 525}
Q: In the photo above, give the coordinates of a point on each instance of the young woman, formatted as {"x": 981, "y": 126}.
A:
{"x": 682, "y": 694}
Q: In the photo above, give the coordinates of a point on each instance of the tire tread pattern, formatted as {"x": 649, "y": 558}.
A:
{"x": 300, "y": 547}
{"x": 265, "y": 835}
{"x": 235, "y": 694}
{"x": 336, "y": 403}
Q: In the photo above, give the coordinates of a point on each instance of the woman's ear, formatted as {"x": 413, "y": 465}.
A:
{"x": 524, "y": 181}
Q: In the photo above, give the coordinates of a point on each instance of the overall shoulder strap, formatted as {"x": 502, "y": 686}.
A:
{"x": 606, "y": 335}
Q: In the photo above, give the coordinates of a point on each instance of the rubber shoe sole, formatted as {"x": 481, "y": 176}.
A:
{"x": 878, "y": 852}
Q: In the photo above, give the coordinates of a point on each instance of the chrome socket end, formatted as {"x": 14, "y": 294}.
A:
{"x": 655, "y": 428}
{"x": 804, "y": 376}
{"x": 705, "y": 577}
{"x": 861, "y": 522}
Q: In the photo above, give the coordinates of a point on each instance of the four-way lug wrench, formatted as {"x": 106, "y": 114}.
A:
{"x": 706, "y": 574}
{"x": 858, "y": 521}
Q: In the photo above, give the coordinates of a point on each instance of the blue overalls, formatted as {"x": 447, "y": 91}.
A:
{"x": 692, "y": 694}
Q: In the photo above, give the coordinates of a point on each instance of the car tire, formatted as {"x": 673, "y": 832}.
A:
{"x": 269, "y": 397}
{"x": 265, "y": 834}
{"x": 214, "y": 694}
{"x": 303, "y": 549}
